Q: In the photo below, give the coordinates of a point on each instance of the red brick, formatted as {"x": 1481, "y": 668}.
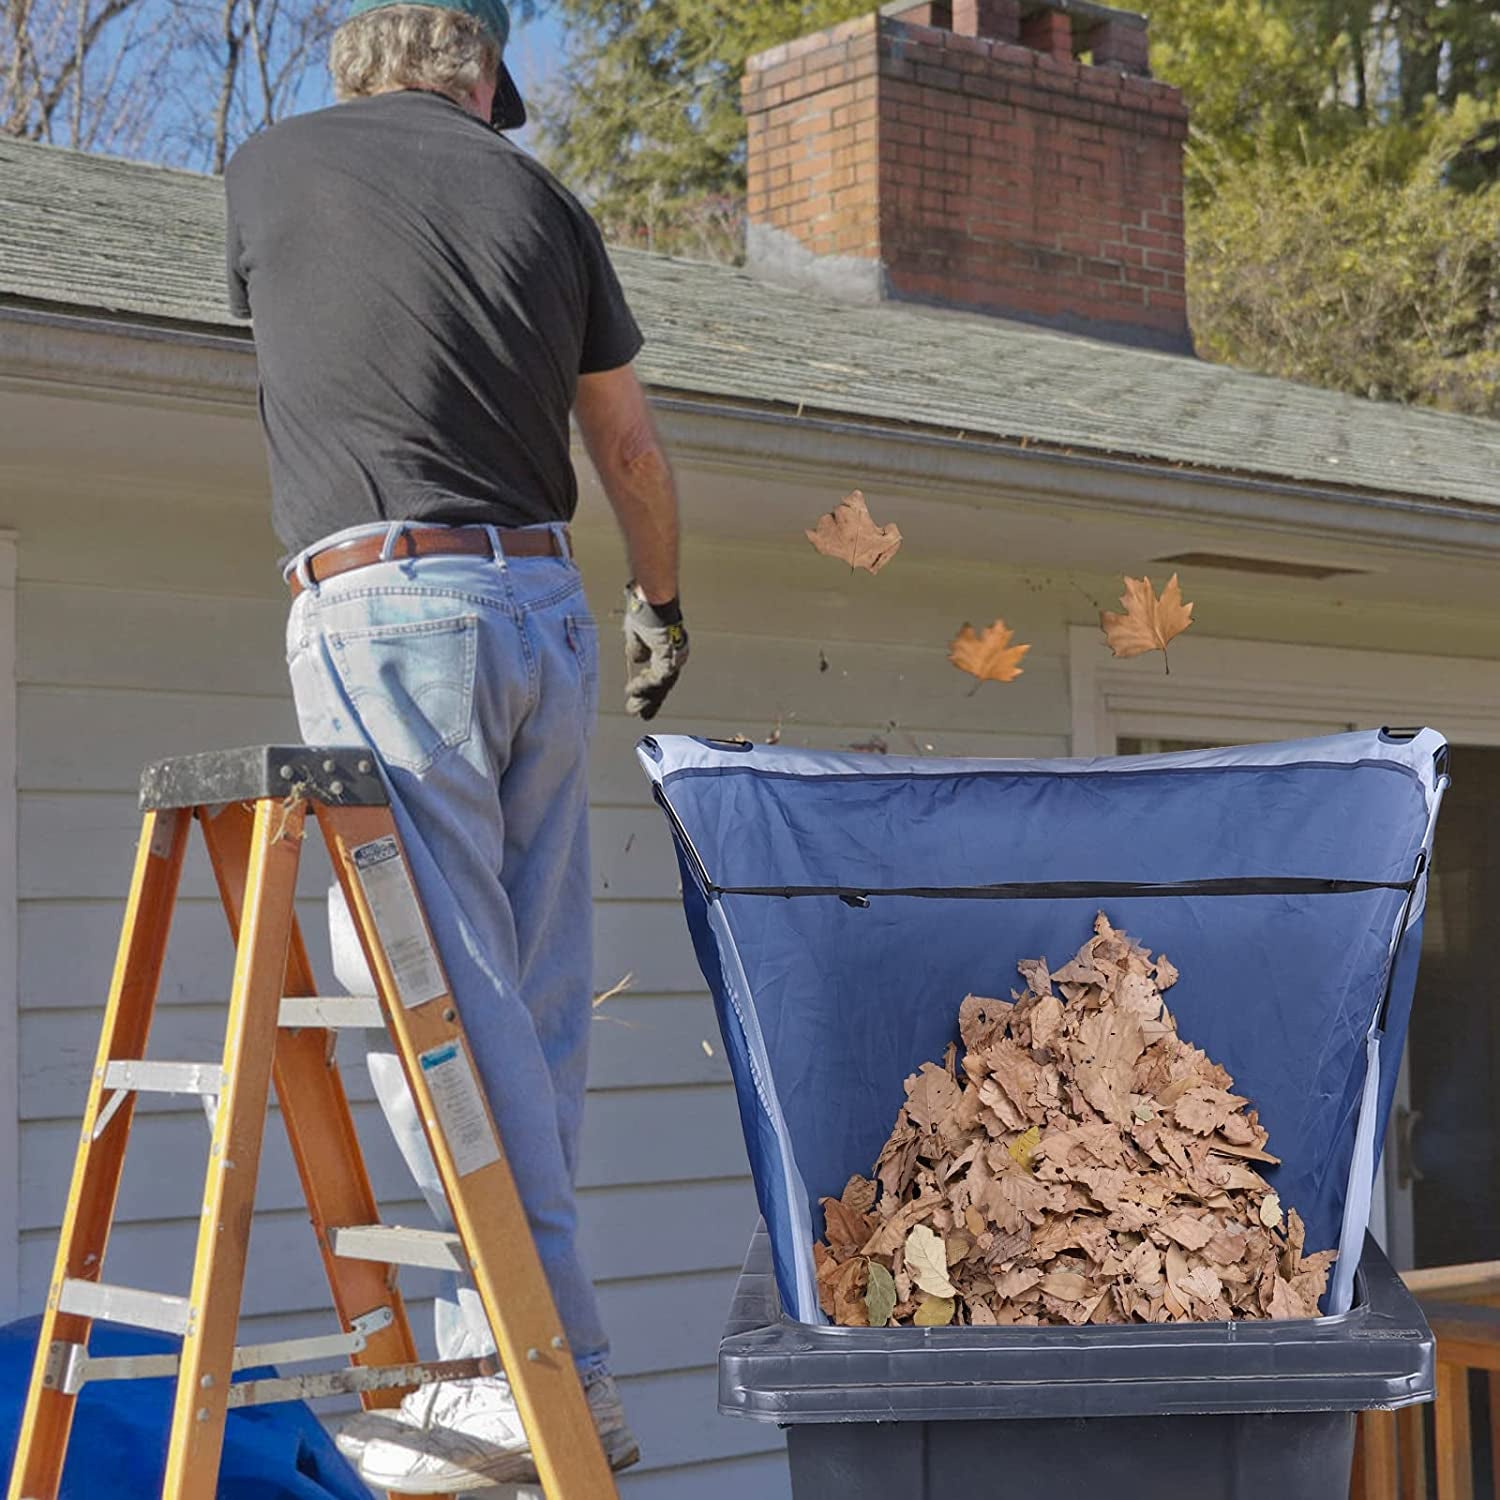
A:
{"x": 770, "y": 58}
{"x": 1118, "y": 43}
{"x": 928, "y": 13}
{"x": 1049, "y": 32}
{"x": 998, "y": 19}
{"x": 979, "y": 172}
{"x": 916, "y": 36}
{"x": 938, "y": 78}
{"x": 858, "y": 27}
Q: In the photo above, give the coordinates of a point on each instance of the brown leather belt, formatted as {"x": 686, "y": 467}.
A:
{"x": 469, "y": 541}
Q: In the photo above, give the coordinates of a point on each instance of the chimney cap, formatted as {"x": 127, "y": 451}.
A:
{"x": 1085, "y": 13}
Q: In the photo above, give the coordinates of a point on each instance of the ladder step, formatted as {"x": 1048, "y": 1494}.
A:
{"x": 165, "y": 1077}
{"x": 433, "y": 1248}
{"x": 124, "y": 1304}
{"x": 357, "y": 1378}
{"x": 334, "y": 1012}
{"x": 70, "y": 1367}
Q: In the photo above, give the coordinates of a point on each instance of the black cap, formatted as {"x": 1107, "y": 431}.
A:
{"x": 509, "y": 109}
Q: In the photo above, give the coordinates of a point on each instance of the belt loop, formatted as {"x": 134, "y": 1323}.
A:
{"x": 304, "y": 572}
{"x": 564, "y": 539}
{"x": 497, "y": 552}
{"x": 394, "y": 532}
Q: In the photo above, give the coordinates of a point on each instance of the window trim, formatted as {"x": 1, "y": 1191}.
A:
{"x": 1283, "y": 690}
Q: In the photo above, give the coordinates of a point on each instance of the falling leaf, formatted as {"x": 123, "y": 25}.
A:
{"x": 927, "y": 1260}
{"x": 935, "y": 1312}
{"x": 1148, "y": 623}
{"x": 849, "y": 533}
{"x": 989, "y": 656}
{"x": 618, "y": 988}
{"x": 880, "y": 1295}
{"x": 1023, "y": 1148}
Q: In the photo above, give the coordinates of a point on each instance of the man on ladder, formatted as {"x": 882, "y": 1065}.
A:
{"x": 429, "y": 305}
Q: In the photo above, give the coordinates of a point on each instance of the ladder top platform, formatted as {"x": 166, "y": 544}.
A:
{"x": 337, "y": 775}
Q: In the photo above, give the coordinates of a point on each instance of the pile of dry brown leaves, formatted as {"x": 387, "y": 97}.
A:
{"x": 1083, "y": 1165}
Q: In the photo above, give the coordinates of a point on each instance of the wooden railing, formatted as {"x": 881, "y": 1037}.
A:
{"x": 1392, "y": 1461}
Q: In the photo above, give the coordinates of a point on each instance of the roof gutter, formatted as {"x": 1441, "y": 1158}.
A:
{"x": 105, "y": 356}
{"x": 931, "y": 461}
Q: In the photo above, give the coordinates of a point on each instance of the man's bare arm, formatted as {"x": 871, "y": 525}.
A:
{"x": 615, "y": 420}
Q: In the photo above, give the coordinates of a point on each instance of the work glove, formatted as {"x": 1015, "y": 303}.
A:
{"x": 656, "y": 646}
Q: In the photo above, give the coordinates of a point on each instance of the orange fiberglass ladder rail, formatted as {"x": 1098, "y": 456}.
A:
{"x": 253, "y": 806}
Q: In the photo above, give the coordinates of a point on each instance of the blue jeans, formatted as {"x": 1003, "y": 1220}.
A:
{"x": 475, "y": 682}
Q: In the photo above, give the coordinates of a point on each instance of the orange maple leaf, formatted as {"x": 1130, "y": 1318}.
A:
{"x": 989, "y": 656}
{"x": 1148, "y": 623}
{"x": 850, "y": 534}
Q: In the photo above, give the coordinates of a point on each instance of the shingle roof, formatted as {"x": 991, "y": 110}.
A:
{"x": 86, "y": 232}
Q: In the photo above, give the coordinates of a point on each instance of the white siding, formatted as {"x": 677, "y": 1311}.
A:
{"x": 157, "y": 630}
{"x": 10, "y": 1141}
{"x": 150, "y": 623}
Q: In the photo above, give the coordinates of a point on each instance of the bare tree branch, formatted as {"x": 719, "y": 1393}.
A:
{"x": 234, "y": 41}
{"x": 260, "y": 42}
{"x": 133, "y": 105}
{"x": 52, "y": 93}
{"x": 80, "y": 54}
{"x": 181, "y": 81}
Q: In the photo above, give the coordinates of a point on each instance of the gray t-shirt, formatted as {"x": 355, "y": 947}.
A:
{"x": 425, "y": 297}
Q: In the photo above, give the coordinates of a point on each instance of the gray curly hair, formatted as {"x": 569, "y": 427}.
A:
{"x": 411, "y": 47}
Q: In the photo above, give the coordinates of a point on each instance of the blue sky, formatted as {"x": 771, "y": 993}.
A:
{"x": 152, "y": 83}
{"x": 532, "y": 57}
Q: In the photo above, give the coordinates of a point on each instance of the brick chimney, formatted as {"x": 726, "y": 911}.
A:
{"x": 1007, "y": 156}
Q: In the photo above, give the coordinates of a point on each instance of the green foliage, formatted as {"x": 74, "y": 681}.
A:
{"x": 1343, "y": 226}
{"x": 646, "y": 121}
{"x": 1363, "y": 270}
{"x": 1248, "y": 68}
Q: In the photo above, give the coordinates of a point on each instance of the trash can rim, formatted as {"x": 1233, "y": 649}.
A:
{"x": 1379, "y": 1354}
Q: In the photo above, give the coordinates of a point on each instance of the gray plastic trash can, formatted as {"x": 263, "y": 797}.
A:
{"x": 1211, "y": 1411}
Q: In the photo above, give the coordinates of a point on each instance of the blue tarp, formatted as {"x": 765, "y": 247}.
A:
{"x": 118, "y": 1448}
{"x": 842, "y": 906}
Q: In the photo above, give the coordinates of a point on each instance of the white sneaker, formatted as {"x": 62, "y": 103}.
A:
{"x": 456, "y": 1436}
{"x": 354, "y": 1434}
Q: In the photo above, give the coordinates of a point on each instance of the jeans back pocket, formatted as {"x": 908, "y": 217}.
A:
{"x": 583, "y": 641}
{"x": 411, "y": 685}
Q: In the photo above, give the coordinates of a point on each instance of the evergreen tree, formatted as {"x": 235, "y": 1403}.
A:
{"x": 1344, "y": 217}
{"x": 646, "y": 121}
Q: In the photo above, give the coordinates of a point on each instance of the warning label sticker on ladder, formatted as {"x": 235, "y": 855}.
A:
{"x": 398, "y": 921}
{"x": 460, "y": 1108}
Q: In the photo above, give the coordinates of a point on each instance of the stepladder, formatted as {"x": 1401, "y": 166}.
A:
{"x": 255, "y": 808}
